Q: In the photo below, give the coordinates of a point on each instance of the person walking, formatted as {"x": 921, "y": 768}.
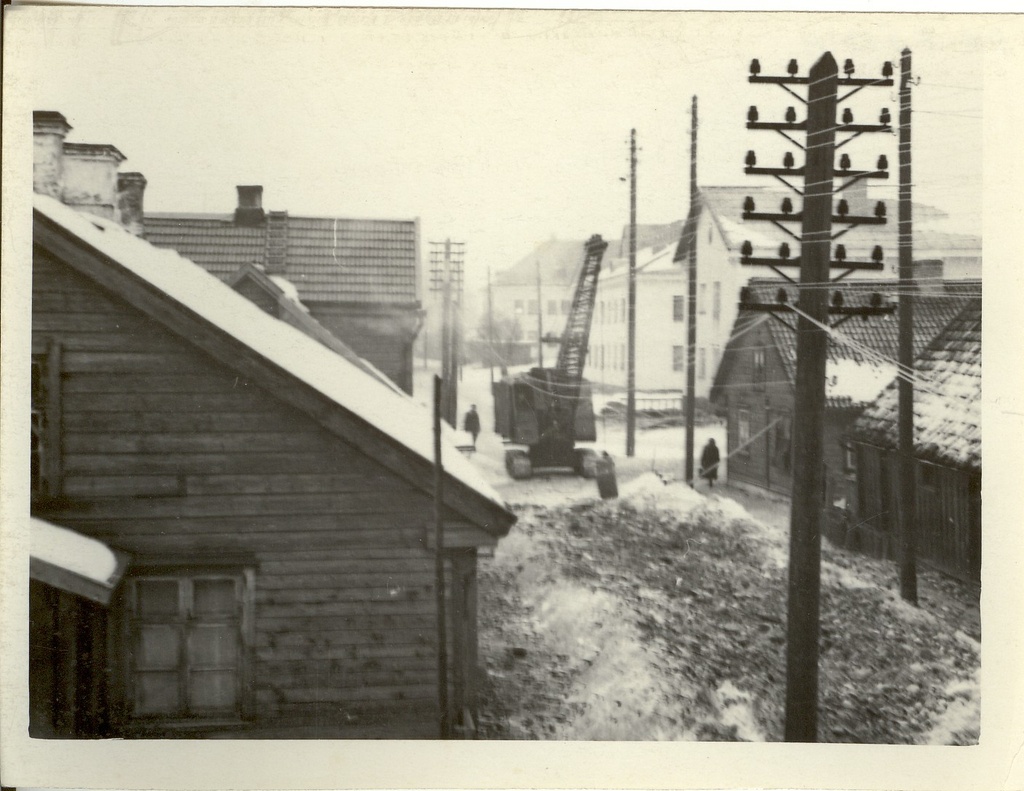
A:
{"x": 471, "y": 423}
{"x": 709, "y": 462}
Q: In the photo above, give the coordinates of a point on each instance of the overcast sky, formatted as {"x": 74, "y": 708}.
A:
{"x": 499, "y": 129}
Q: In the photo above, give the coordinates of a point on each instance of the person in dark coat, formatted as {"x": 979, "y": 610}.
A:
{"x": 709, "y": 462}
{"x": 471, "y": 423}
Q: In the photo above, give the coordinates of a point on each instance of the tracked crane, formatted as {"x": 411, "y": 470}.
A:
{"x": 550, "y": 409}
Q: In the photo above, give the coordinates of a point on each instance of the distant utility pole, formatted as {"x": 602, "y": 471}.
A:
{"x": 812, "y": 329}
{"x": 631, "y": 306}
{"x": 908, "y": 485}
{"x": 446, "y": 263}
{"x": 691, "y": 299}
{"x": 540, "y": 322}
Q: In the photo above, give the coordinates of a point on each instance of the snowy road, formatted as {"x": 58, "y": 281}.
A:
{"x": 661, "y": 615}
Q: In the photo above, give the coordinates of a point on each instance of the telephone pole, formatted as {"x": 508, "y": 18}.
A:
{"x": 446, "y": 262}
{"x": 908, "y": 488}
{"x": 540, "y": 322}
{"x": 631, "y": 306}
{"x": 809, "y": 404}
{"x": 812, "y": 326}
{"x": 691, "y": 298}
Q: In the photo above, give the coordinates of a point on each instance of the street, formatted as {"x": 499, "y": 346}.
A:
{"x": 661, "y": 615}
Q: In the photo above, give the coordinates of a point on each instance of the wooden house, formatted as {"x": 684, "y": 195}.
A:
{"x": 755, "y": 382}
{"x": 947, "y": 448}
{"x": 268, "y": 500}
{"x": 358, "y": 277}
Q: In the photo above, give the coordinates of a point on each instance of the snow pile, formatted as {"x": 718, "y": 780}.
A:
{"x": 649, "y": 490}
{"x": 647, "y": 622}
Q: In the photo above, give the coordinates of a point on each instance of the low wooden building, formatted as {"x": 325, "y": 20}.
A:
{"x": 272, "y": 499}
{"x": 947, "y": 447}
{"x": 755, "y": 382}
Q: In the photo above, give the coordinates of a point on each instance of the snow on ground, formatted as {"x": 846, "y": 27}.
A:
{"x": 661, "y": 614}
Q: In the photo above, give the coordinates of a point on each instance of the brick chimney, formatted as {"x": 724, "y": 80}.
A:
{"x": 90, "y": 177}
{"x": 928, "y": 275}
{"x": 49, "y": 128}
{"x": 250, "y": 205}
{"x": 130, "y": 190}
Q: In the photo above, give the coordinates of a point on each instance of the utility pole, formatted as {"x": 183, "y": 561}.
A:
{"x": 446, "y": 262}
{"x": 540, "y": 322}
{"x": 691, "y": 299}
{"x": 908, "y": 488}
{"x": 490, "y": 329}
{"x": 442, "y": 624}
{"x": 809, "y": 404}
{"x": 812, "y": 328}
{"x": 631, "y": 306}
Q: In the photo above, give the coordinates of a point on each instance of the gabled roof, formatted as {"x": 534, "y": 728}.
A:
{"x": 726, "y": 206}
{"x": 387, "y": 425}
{"x": 854, "y": 374}
{"x": 947, "y": 398}
{"x": 328, "y": 259}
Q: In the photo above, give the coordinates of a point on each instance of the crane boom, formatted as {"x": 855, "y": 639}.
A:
{"x": 576, "y": 337}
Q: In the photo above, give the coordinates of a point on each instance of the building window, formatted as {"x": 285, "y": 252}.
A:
{"x": 716, "y": 301}
{"x": 702, "y": 370}
{"x": 622, "y": 356}
{"x": 677, "y": 307}
{"x": 702, "y": 298}
{"x": 188, "y": 644}
{"x": 678, "y": 357}
{"x": 849, "y": 459}
{"x": 565, "y": 307}
{"x": 532, "y": 307}
{"x": 519, "y": 306}
{"x": 45, "y": 451}
{"x": 758, "y": 368}
{"x": 552, "y": 307}
{"x": 743, "y": 432}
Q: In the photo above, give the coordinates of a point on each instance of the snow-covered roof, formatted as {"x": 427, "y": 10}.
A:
{"x": 391, "y": 412}
{"x": 947, "y": 399}
{"x": 73, "y": 562}
{"x": 856, "y": 381}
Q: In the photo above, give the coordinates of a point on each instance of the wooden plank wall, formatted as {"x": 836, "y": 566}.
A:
{"x": 169, "y": 455}
{"x": 948, "y": 511}
{"x": 763, "y": 403}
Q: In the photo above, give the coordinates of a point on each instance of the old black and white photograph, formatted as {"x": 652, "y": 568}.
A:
{"x": 395, "y": 376}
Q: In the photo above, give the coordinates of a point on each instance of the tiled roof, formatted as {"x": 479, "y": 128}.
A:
{"x": 879, "y": 335}
{"x": 947, "y": 404}
{"x": 328, "y": 259}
